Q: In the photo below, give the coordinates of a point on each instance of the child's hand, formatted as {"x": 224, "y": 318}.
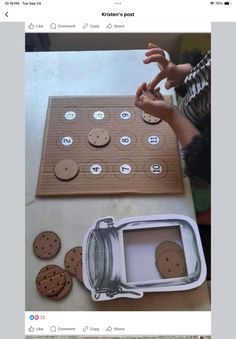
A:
{"x": 175, "y": 74}
{"x": 157, "y": 108}
{"x": 182, "y": 127}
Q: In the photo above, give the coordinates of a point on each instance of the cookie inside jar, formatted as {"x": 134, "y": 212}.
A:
{"x": 153, "y": 254}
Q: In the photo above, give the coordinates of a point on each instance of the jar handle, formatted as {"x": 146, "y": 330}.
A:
{"x": 108, "y": 221}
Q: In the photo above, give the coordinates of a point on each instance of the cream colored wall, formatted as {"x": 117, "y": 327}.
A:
{"x": 118, "y": 41}
{"x": 110, "y": 41}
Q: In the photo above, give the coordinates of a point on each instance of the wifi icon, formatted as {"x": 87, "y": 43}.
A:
{"x": 212, "y": 3}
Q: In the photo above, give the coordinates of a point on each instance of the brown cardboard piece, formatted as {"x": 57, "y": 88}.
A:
{"x": 139, "y": 159}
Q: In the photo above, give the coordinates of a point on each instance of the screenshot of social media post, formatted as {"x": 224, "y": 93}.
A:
{"x": 118, "y": 171}
{"x": 118, "y": 153}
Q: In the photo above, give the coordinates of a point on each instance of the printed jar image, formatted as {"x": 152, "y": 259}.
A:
{"x": 157, "y": 253}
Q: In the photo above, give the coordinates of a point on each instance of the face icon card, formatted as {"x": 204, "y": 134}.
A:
{"x": 103, "y": 145}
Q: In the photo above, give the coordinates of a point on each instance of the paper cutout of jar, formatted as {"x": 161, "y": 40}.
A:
{"x": 119, "y": 257}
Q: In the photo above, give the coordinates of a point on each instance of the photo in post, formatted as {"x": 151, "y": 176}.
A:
{"x": 118, "y": 172}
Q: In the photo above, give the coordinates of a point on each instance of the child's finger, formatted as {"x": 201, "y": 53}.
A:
{"x": 141, "y": 88}
{"x": 139, "y": 101}
{"x": 160, "y": 59}
{"x": 149, "y": 87}
{"x": 143, "y": 102}
{"x": 157, "y": 51}
{"x": 146, "y": 104}
{"x": 152, "y": 45}
{"x": 160, "y": 76}
{"x": 139, "y": 92}
{"x": 158, "y": 94}
{"x": 169, "y": 84}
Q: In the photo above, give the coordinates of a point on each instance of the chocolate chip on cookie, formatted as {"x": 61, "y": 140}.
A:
{"x": 46, "y": 245}
{"x": 50, "y": 280}
{"x": 72, "y": 259}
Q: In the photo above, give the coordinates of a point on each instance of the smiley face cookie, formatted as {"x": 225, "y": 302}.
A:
{"x": 170, "y": 260}
{"x": 171, "y": 265}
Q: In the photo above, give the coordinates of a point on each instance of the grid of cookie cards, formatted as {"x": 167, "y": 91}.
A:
{"x": 102, "y": 145}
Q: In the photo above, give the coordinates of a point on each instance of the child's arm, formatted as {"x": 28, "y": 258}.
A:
{"x": 196, "y": 145}
{"x": 182, "y": 127}
{"x": 175, "y": 74}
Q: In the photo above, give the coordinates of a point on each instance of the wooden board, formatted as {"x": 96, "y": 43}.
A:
{"x": 140, "y": 158}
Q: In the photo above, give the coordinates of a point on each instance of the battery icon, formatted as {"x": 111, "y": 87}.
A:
{"x": 226, "y": 3}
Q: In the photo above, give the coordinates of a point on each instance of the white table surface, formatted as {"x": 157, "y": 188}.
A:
{"x": 89, "y": 73}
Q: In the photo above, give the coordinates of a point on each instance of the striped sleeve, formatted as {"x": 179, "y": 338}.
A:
{"x": 197, "y": 101}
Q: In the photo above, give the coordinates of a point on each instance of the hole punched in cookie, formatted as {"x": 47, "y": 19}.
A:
{"x": 170, "y": 260}
{"x": 66, "y": 169}
{"x": 99, "y": 137}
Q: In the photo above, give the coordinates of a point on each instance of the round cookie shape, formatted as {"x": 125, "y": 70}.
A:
{"x": 150, "y": 119}
{"x": 66, "y": 169}
{"x": 72, "y": 260}
{"x": 150, "y": 95}
{"x": 46, "y": 245}
{"x": 50, "y": 280}
{"x": 66, "y": 289}
{"x": 155, "y": 95}
{"x": 166, "y": 246}
{"x": 171, "y": 265}
{"x": 79, "y": 271}
{"x": 99, "y": 137}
